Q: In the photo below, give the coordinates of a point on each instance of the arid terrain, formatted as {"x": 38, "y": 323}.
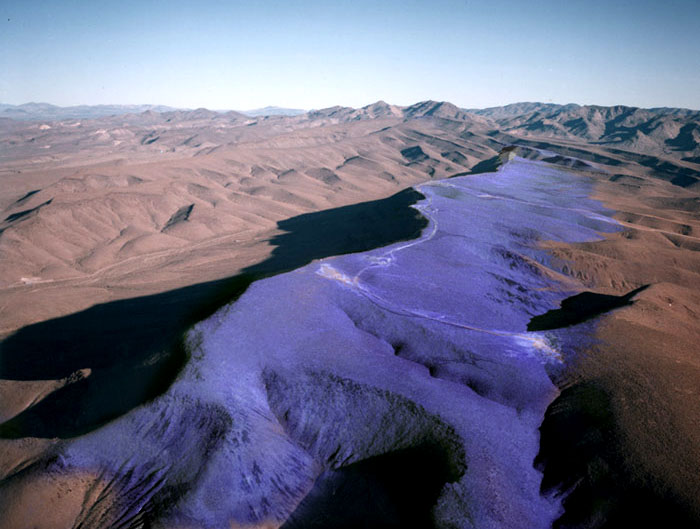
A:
{"x": 119, "y": 232}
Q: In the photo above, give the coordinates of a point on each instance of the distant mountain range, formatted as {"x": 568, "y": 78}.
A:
{"x": 273, "y": 111}
{"x": 46, "y": 111}
{"x": 652, "y": 131}
{"x": 655, "y": 131}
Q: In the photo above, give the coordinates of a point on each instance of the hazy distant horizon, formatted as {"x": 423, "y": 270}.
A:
{"x": 312, "y": 54}
{"x": 305, "y": 110}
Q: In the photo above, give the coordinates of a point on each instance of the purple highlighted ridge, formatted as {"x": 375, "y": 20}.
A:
{"x": 403, "y": 377}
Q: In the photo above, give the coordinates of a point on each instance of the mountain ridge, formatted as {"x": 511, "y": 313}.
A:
{"x": 661, "y": 131}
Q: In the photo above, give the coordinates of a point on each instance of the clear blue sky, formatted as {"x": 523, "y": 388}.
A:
{"x": 312, "y": 54}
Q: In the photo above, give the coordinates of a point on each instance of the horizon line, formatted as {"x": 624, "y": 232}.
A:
{"x": 306, "y": 111}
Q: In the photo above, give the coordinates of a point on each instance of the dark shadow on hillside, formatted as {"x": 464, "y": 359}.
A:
{"x": 581, "y": 457}
{"x": 135, "y": 347}
{"x": 349, "y": 229}
{"x": 490, "y": 165}
{"x": 579, "y": 308}
{"x": 685, "y": 140}
{"x": 394, "y": 490}
{"x": 486, "y": 166}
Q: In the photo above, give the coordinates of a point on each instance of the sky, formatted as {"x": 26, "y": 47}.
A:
{"x": 315, "y": 54}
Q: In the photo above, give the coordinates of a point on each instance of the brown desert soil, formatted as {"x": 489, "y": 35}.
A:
{"x": 646, "y": 360}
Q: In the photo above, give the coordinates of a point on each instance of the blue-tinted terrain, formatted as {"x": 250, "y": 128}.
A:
{"x": 404, "y": 377}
